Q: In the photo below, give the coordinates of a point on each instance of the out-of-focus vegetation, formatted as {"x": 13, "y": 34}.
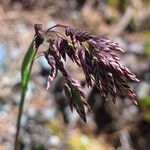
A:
{"x": 47, "y": 122}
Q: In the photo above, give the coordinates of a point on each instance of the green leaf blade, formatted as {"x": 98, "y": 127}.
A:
{"x": 27, "y": 64}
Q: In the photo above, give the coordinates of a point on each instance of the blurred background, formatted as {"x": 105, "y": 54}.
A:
{"x": 47, "y": 122}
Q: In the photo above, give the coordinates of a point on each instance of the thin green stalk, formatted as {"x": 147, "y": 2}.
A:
{"x": 17, "y": 146}
{"x": 25, "y": 74}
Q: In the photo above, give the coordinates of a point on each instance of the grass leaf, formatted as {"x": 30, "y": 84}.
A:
{"x": 27, "y": 64}
{"x": 25, "y": 74}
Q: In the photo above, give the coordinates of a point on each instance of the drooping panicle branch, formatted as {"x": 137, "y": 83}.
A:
{"x": 95, "y": 55}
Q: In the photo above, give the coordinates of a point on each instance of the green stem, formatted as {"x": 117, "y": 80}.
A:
{"x": 23, "y": 94}
{"x": 16, "y": 146}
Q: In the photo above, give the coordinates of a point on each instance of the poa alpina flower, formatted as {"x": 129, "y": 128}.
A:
{"x": 95, "y": 55}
